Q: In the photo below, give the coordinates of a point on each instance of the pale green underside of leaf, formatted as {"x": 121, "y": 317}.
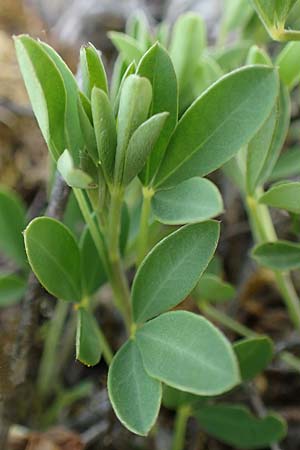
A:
{"x": 176, "y": 348}
{"x": 73, "y": 177}
{"x": 54, "y": 257}
{"x": 219, "y": 123}
{"x": 46, "y": 90}
{"x": 172, "y": 268}
{"x": 193, "y": 200}
{"x": 134, "y": 395}
{"x": 279, "y": 255}
{"x": 88, "y": 348}
{"x": 235, "y": 425}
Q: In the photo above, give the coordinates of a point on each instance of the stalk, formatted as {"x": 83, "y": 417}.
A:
{"x": 47, "y": 370}
{"x": 143, "y": 240}
{"x": 182, "y": 416}
{"x": 227, "y": 321}
{"x": 117, "y": 277}
{"x": 264, "y": 231}
{"x": 110, "y": 258}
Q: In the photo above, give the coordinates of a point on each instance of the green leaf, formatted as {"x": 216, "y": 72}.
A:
{"x": 105, "y": 130}
{"x": 92, "y": 270}
{"x": 207, "y": 72}
{"x": 137, "y": 26}
{"x": 233, "y": 56}
{"x": 173, "y": 398}
{"x": 157, "y": 66}
{"x": 236, "y": 426}
{"x": 258, "y": 150}
{"x": 285, "y": 195}
{"x": 73, "y": 177}
{"x": 237, "y": 14}
{"x": 46, "y": 90}
{"x": 288, "y": 62}
{"x": 279, "y": 255}
{"x": 129, "y": 48}
{"x": 172, "y": 268}
{"x": 280, "y": 133}
{"x": 187, "y": 43}
{"x": 254, "y": 355}
{"x": 141, "y": 145}
{"x": 86, "y": 125}
{"x": 12, "y": 224}
{"x": 206, "y": 137}
{"x": 130, "y": 70}
{"x": 134, "y": 395}
{"x": 73, "y": 135}
{"x": 135, "y": 100}
{"x": 274, "y": 13}
{"x": 88, "y": 347}
{"x": 258, "y": 55}
{"x": 12, "y": 289}
{"x": 176, "y": 348}
{"x": 54, "y": 257}
{"x": 93, "y": 71}
{"x": 193, "y": 200}
{"x": 211, "y": 287}
{"x": 287, "y": 165}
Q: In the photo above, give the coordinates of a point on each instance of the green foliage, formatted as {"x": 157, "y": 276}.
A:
{"x": 12, "y": 289}
{"x": 129, "y": 48}
{"x": 205, "y": 137}
{"x": 92, "y": 270}
{"x": 279, "y": 255}
{"x": 253, "y": 355}
{"x": 156, "y": 65}
{"x": 288, "y": 164}
{"x": 135, "y": 395}
{"x": 115, "y": 146}
{"x": 135, "y": 100}
{"x": 176, "y": 349}
{"x": 193, "y": 200}
{"x": 73, "y": 177}
{"x": 141, "y": 144}
{"x": 288, "y": 63}
{"x": 212, "y": 288}
{"x": 171, "y": 270}
{"x": 12, "y": 224}
{"x": 88, "y": 348}
{"x": 236, "y": 426}
{"x": 285, "y": 195}
{"x": 54, "y": 256}
{"x": 46, "y": 90}
{"x": 105, "y": 130}
{"x": 93, "y": 71}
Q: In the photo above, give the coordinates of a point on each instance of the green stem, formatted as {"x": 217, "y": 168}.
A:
{"x": 291, "y": 360}
{"x": 264, "y": 231}
{"x": 112, "y": 262}
{"x": 47, "y": 370}
{"x": 225, "y": 320}
{"x": 283, "y": 35}
{"x": 118, "y": 279}
{"x": 96, "y": 235}
{"x": 182, "y": 416}
{"x": 143, "y": 239}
